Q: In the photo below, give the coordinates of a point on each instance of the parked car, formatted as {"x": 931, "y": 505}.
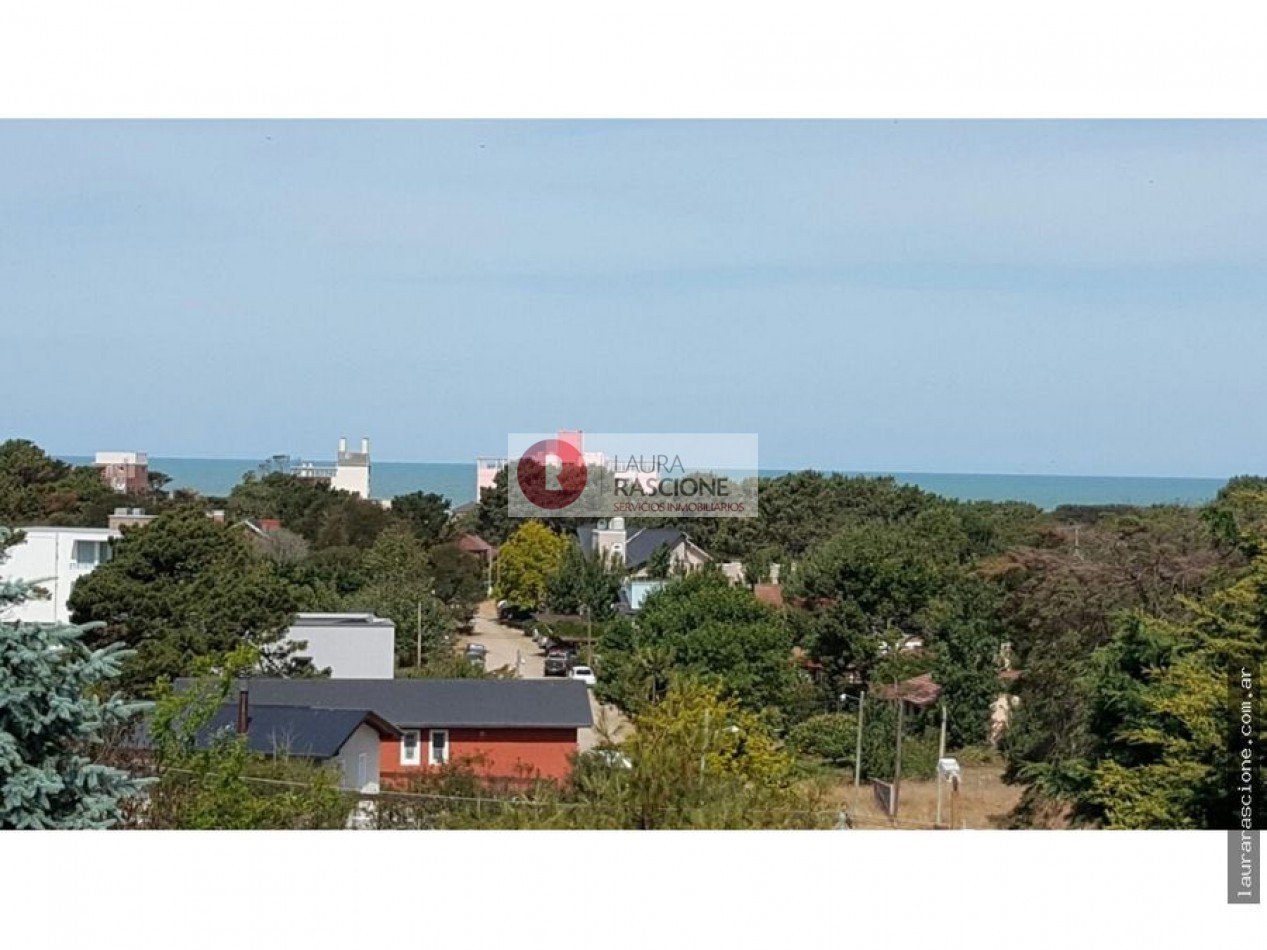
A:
{"x": 556, "y": 663}
{"x": 507, "y": 613}
{"x": 570, "y": 654}
{"x": 584, "y": 674}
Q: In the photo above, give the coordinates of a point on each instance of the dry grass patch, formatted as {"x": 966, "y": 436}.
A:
{"x": 984, "y": 801}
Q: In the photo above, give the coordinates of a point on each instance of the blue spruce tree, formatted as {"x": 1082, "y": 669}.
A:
{"x": 50, "y": 720}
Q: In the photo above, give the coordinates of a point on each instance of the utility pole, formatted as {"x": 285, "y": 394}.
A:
{"x": 941, "y": 754}
{"x": 704, "y": 752}
{"x": 418, "y": 645}
{"x": 857, "y": 755}
{"x": 897, "y": 758}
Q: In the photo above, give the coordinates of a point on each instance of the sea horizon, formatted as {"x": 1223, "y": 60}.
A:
{"x": 215, "y": 477}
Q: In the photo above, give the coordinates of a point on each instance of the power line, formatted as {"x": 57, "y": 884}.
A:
{"x": 607, "y": 810}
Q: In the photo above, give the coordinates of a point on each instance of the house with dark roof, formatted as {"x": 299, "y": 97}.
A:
{"x": 502, "y": 729}
{"x": 349, "y": 739}
{"x": 634, "y": 550}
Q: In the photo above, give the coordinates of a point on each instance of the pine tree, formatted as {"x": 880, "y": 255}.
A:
{"x": 50, "y": 719}
{"x": 183, "y": 589}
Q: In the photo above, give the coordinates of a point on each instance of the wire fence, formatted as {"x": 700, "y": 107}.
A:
{"x": 835, "y": 817}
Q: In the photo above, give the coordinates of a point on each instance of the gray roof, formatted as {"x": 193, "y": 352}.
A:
{"x": 641, "y": 546}
{"x": 409, "y": 703}
{"x": 297, "y": 730}
{"x": 638, "y": 546}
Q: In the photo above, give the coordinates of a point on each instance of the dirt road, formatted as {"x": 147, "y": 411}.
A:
{"x": 507, "y": 647}
{"x": 512, "y": 649}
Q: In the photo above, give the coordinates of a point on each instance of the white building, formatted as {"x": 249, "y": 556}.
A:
{"x": 352, "y": 469}
{"x": 53, "y": 559}
{"x": 352, "y": 645}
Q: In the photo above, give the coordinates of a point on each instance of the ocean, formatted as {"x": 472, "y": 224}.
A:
{"x": 456, "y": 481}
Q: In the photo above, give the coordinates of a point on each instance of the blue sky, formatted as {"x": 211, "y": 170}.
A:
{"x": 1029, "y": 297}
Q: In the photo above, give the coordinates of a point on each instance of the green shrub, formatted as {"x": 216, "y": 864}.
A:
{"x": 832, "y": 737}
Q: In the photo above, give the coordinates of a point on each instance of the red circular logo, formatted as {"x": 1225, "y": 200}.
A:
{"x": 551, "y": 474}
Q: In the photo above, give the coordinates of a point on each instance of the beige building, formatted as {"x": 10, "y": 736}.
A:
{"x": 128, "y": 518}
{"x": 126, "y": 472}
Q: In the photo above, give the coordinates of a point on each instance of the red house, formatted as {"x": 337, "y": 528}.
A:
{"x": 503, "y": 729}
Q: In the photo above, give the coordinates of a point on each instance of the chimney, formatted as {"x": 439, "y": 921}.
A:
{"x": 343, "y": 445}
{"x": 244, "y": 711}
{"x": 365, "y": 446}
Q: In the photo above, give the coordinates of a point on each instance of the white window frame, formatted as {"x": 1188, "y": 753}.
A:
{"x": 100, "y": 553}
{"x": 405, "y": 757}
{"x": 431, "y": 747}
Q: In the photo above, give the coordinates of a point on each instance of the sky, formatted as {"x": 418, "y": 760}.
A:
{"x": 1012, "y": 297}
